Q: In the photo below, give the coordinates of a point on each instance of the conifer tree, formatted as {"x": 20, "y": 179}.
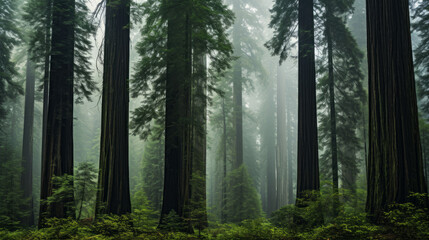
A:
{"x": 113, "y": 195}
{"x": 27, "y": 144}
{"x": 421, "y": 25}
{"x": 341, "y": 97}
{"x": 176, "y": 86}
{"x": 287, "y": 16}
{"x": 395, "y": 166}
{"x": 69, "y": 74}
{"x": 8, "y": 39}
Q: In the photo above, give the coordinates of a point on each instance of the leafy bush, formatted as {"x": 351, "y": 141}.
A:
{"x": 409, "y": 220}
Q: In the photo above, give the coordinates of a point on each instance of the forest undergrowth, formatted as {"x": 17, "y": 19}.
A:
{"x": 314, "y": 221}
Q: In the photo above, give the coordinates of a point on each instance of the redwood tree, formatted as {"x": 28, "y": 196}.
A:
{"x": 113, "y": 181}
{"x": 27, "y": 144}
{"x": 395, "y": 166}
{"x": 308, "y": 158}
{"x": 58, "y": 152}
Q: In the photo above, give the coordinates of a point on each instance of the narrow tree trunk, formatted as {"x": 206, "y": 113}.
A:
{"x": 290, "y": 140}
{"x": 223, "y": 207}
{"x": 271, "y": 151}
{"x": 46, "y": 74}
{"x": 81, "y": 201}
{"x": 58, "y": 151}
{"x": 333, "y": 117}
{"x": 27, "y": 145}
{"x": 238, "y": 92}
{"x": 113, "y": 181}
{"x": 308, "y": 158}
{"x": 281, "y": 140}
{"x": 365, "y": 144}
{"x": 395, "y": 166}
{"x": 199, "y": 128}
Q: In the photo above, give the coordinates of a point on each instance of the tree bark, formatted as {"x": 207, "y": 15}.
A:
{"x": 281, "y": 141}
{"x": 308, "y": 158}
{"x": 333, "y": 117}
{"x": 271, "y": 151}
{"x": 46, "y": 74}
{"x": 113, "y": 181}
{"x": 177, "y": 142}
{"x": 58, "y": 151}
{"x": 224, "y": 201}
{"x": 199, "y": 129}
{"x": 290, "y": 140}
{"x": 237, "y": 91}
{"x": 27, "y": 144}
{"x": 395, "y": 166}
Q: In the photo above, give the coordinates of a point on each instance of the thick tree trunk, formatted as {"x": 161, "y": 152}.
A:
{"x": 333, "y": 117}
{"x": 58, "y": 151}
{"x": 113, "y": 181}
{"x": 395, "y": 166}
{"x": 27, "y": 144}
{"x": 177, "y": 142}
{"x": 308, "y": 158}
{"x": 281, "y": 140}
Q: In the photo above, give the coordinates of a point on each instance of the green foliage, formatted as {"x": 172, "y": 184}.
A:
{"x": 85, "y": 187}
{"x": 421, "y": 26}
{"x": 112, "y": 225}
{"x": 243, "y": 202}
{"x": 284, "y": 22}
{"x": 150, "y": 76}
{"x": 38, "y": 13}
{"x": 11, "y": 201}
{"x": 402, "y": 221}
{"x": 9, "y": 37}
{"x": 349, "y": 96}
{"x": 409, "y": 220}
{"x": 173, "y": 223}
{"x": 250, "y": 229}
{"x": 63, "y": 191}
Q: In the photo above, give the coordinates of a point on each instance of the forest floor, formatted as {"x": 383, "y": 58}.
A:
{"x": 404, "y": 221}
{"x": 408, "y": 221}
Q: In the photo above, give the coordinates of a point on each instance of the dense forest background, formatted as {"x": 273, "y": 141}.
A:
{"x": 214, "y": 119}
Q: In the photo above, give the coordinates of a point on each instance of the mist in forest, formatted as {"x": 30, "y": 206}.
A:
{"x": 214, "y": 119}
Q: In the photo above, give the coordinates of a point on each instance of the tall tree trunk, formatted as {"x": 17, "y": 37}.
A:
{"x": 27, "y": 144}
{"x": 113, "y": 181}
{"x": 238, "y": 91}
{"x": 281, "y": 140}
{"x": 58, "y": 152}
{"x": 271, "y": 152}
{"x": 199, "y": 142}
{"x": 223, "y": 208}
{"x": 47, "y": 63}
{"x": 333, "y": 117}
{"x": 177, "y": 162}
{"x": 290, "y": 140}
{"x": 365, "y": 144}
{"x": 308, "y": 158}
{"x": 395, "y": 166}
